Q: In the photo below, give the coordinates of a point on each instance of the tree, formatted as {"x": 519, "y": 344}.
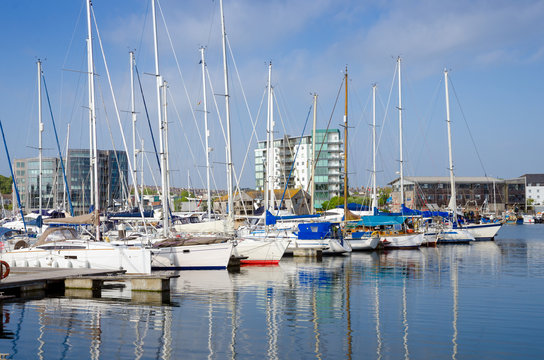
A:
{"x": 5, "y": 184}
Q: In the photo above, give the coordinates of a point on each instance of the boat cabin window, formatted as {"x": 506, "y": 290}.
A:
{"x": 60, "y": 235}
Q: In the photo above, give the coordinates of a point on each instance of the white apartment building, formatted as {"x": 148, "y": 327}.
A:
{"x": 293, "y": 164}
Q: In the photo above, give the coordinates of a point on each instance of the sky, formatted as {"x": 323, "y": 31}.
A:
{"x": 493, "y": 51}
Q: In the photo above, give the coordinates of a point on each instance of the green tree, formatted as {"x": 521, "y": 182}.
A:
{"x": 5, "y": 184}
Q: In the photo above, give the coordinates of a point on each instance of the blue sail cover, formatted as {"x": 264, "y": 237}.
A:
{"x": 380, "y": 220}
{"x": 4, "y": 231}
{"x": 269, "y": 218}
{"x": 318, "y": 230}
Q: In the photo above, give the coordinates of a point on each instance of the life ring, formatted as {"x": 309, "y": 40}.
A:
{"x": 4, "y": 274}
{"x": 375, "y": 233}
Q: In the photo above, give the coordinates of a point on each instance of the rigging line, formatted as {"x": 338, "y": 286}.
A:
{"x": 240, "y": 82}
{"x": 386, "y": 113}
{"x": 275, "y": 98}
{"x": 216, "y": 106}
{"x": 124, "y": 181}
{"x": 13, "y": 177}
{"x": 293, "y": 164}
{"x": 130, "y": 168}
{"x": 76, "y": 93}
{"x": 66, "y": 56}
{"x": 356, "y": 131}
{"x": 143, "y": 27}
{"x": 185, "y": 136}
{"x": 237, "y": 180}
{"x": 182, "y": 79}
{"x": 468, "y": 128}
{"x": 253, "y": 133}
{"x": 425, "y": 129}
{"x": 219, "y": 117}
{"x": 157, "y": 189}
{"x": 58, "y": 146}
{"x": 147, "y": 116}
{"x": 316, "y": 158}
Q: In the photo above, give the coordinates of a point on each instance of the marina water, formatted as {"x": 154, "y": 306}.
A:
{"x": 478, "y": 301}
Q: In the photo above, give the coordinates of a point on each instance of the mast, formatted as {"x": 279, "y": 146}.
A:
{"x": 227, "y": 110}
{"x": 92, "y": 117}
{"x": 165, "y": 222}
{"x": 40, "y": 131}
{"x": 312, "y": 184}
{"x": 453, "y": 200}
{"x": 142, "y": 172}
{"x": 269, "y": 190}
{"x": 206, "y": 132}
{"x": 133, "y": 113}
{"x": 64, "y": 178}
{"x": 166, "y": 147}
{"x": 374, "y": 190}
{"x": 400, "y": 140}
{"x": 346, "y": 146}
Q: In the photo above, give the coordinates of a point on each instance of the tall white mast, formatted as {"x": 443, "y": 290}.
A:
{"x": 133, "y": 113}
{"x": 66, "y": 159}
{"x": 312, "y": 183}
{"x": 400, "y": 139}
{"x": 374, "y": 190}
{"x": 346, "y": 185}
{"x": 453, "y": 200}
{"x": 142, "y": 167}
{"x": 92, "y": 115}
{"x": 206, "y": 132}
{"x": 227, "y": 110}
{"x": 270, "y": 169}
{"x": 40, "y": 130}
{"x": 166, "y": 147}
{"x": 165, "y": 222}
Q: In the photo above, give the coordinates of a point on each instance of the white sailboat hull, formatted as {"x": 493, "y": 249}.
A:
{"x": 402, "y": 241}
{"x": 483, "y": 231}
{"x": 364, "y": 243}
{"x": 134, "y": 260}
{"x": 205, "y": 256}
{"x": 455, "y": 236}
{"x": 260, "y": 252}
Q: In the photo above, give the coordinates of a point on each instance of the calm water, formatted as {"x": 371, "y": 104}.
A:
{"x": 484, "y": 300}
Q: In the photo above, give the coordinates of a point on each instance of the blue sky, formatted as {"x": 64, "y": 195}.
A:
{"x": 493, "y": 49}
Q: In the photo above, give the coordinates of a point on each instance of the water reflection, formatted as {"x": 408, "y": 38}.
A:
{"x": 453, "y": 301}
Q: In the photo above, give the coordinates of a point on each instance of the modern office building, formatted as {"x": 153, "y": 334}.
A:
{"x": 293, "y": 164}
{"x": 427, "y": 192}
{"x": 112, "y": 180}
{"x": 26, "y": 177}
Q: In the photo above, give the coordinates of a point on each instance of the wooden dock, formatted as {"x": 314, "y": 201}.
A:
{"x": 24, "y": 281}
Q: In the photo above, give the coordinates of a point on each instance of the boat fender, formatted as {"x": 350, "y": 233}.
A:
{"x": 4, "y": 273}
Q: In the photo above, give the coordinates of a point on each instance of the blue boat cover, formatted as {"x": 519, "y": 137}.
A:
{"x": 355, "y": 207}
{"x": 379, "y": 220}
{"x": 4, "y": 231}
{"x": 318, "y": 230}
{"x": 269, "y": 218}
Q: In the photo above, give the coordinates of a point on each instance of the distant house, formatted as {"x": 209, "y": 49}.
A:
{"x": 534, "y": 188}
{"x": 247, "y": 202}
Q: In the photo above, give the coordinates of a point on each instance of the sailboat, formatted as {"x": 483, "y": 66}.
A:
{"x": 400, "y": 235}
{"x": 362, "y": 238}
{"x": 176, "y": 252}
{"x": 62, "y": 246}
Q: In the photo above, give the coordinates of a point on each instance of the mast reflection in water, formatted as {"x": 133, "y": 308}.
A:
{"x": 482, "y": 300}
